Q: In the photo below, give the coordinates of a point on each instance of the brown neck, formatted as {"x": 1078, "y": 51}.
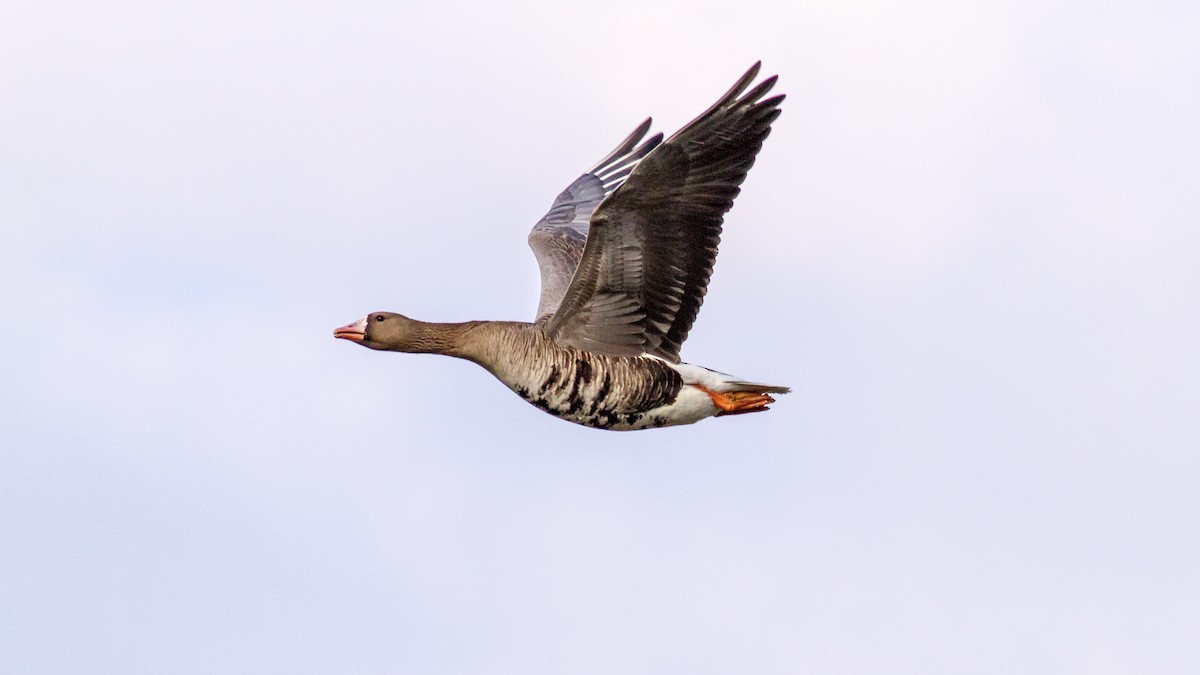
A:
{"x": 487, "y": 343}
{"x": 439, "y": 338}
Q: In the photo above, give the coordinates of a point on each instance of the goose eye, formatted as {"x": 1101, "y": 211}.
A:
{"x": 379, "y": 318}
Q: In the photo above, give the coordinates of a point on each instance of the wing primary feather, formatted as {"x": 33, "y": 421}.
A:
{"x": 760, "y": 89}
{"x": 629, "y": 160}
{"x": 626, "y": 145}
{"x": 730, "y": 95}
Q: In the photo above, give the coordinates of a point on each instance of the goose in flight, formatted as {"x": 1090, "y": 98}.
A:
{"x": 626, "y": 253}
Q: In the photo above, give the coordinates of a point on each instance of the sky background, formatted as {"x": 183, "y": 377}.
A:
{"x": 970, "y": 247}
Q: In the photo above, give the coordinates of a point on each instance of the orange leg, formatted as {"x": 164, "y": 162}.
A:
{"x": 737, "y": 402}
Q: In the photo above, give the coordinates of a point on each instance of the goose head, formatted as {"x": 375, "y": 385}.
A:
{"x": 382, "y": 330}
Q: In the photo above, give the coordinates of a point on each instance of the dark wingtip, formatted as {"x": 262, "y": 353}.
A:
{"x": 735, "y": 92}
{"x": 744, "y": 81}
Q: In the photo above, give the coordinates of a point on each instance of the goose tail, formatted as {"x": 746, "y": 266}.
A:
{"x": 731, "y": 395}
{"x": 757, "y": 387}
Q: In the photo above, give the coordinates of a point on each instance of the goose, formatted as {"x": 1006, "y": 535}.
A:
{"x": 625, "y": 253}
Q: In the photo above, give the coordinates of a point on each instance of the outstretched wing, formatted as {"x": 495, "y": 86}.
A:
{"x": 558, "y": 238}
{"x": 652, "y": 244}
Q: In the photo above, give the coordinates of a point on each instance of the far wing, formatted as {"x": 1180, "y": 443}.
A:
{"x": 558, "y": 238}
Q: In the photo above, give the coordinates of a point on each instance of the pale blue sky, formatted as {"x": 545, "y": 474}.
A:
{"x": 970, "y": 247}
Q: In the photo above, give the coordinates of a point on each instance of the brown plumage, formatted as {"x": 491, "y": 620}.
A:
{"x": 626, "y": 253}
